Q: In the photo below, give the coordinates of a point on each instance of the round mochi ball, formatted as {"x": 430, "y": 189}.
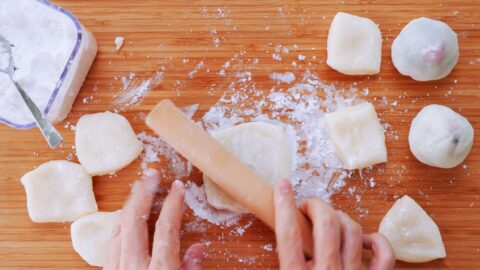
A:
{"x": 440, "y": 137}
{"x": 425, "y": 50}
{"x": 105, "y": 143}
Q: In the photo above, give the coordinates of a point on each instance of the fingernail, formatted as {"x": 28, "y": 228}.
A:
{"x": 283, "y": 190}
{"x": 284, "y": 187}
{"x": 177, "y": 185}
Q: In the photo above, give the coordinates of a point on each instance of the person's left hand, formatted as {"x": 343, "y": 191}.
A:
{"x": 128, "y": 247}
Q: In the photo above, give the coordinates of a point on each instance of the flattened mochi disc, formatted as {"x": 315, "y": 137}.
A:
{"x": 91, "y": 236}
{"x": 425, "y": 50}
{"x": 264, "y": 147}
{"x": 354, "y": 45}
{"x": 413, "y": 235}
{"x": 357, "y": 136}
{"x": 105, "y": 143}
{"x": 58, "y": 191}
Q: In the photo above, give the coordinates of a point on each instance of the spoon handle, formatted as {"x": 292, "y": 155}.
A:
{"x": 52, "y": 136}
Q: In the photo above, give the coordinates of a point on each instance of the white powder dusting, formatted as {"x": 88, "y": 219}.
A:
{"x": 318, "y": 171}
{"x": 133, "y": 91}
{"x": 268, "y": 247}
{"x": 276, "y": 56}
{"x": 286, "y": 77}
{"x": 4, "y": 57}
{"x": 192, "y": 73}
{"x": 154, "y": 148}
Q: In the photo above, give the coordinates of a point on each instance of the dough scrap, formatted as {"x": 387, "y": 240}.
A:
{"x": 357, "y": 136}
{"x": 440, "y": 137}
{"x": 58, "y": 191}
{"x": 91, "y": 236}
{"x": 425, "y": 50}
{"x": 354, "y": 45}
{"x": 105, "y": 143}
{"x": 413, "y": 235}
{"x": 264, "y": 147}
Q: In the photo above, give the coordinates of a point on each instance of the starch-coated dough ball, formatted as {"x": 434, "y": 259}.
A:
{"x": 425, "y": 50}
{"x": 357, "y": 136}
{"x": 440, "y": 137}
{"x": 354, "y": 45}
{"x": 265, "y": 148}
{"x": 91, "y": 236}
{"x": 105, "y": 143}
{"x": 414, "y": 236}
{"x": 58, "y": 191}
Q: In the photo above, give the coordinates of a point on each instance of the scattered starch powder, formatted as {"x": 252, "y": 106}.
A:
{"x": 286, "y": 77}
{"x": 119, "y": 43}
{"x": 4, "y": 57}
{"x": 192, "y": 73}
{"x": 318, "y": 172}
{"x": 132, "y": 92}
{"x": 42, "y": 44}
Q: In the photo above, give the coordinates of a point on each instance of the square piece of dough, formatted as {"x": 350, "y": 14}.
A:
{"x": 414, "y": 236}
{"x": 357, "y": 136}
{"x": 105, "y": 143}
{"x": 58, "y": 191}
{"x": 354, "y": 45}
{"x": 91, "y": 236}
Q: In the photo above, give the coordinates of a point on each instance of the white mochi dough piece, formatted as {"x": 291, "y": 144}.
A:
{"x": 440, "y": 137}
{"x": 91, "y": 236}
{"x": 354, "y": 45}
{"x": 357, "y": 136}
{"x": 414, "y": 236}
{"x": 105, "y": 143}
{"x": 425, "y": 50}
{"x": 266, "y": 148}
{"x": 59, "y": 191}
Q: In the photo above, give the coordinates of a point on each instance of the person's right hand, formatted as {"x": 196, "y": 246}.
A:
{"x": 338, "y": 240}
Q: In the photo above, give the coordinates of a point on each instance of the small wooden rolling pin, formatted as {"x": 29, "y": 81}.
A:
{"x": 229, "y": 173}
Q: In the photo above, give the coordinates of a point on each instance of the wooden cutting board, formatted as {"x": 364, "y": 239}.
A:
{"x": 164, "y": 33}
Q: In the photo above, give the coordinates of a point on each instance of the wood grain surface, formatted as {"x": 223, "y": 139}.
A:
{"x": 164, "y": 33}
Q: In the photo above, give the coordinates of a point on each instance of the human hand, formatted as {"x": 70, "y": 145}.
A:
{"x": 338, "y": 240}
{"x": 128, "y": 247}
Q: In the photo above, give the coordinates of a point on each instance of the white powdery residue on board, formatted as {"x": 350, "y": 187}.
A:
{"x": 268, "y": 247}
{"x": 196, "y": 199}
{"x": 194, "y": 226}
{"x": 318, "y": 171}
{"x": 132, "y": 92}
{"x": 286, "y": 77}
{"x": 154, "y": 147}
{"x": 192, "y": 73}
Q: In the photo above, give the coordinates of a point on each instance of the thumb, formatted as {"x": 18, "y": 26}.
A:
{"x": 193, "y": 258}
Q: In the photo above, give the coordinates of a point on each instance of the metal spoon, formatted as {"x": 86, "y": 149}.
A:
{"x": 52, "y": 136}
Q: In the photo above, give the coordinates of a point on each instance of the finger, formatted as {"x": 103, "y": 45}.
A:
{"x": 351, "y": 245}
{"x": 287, "y": 229}
{"x": 193, "y": 258}
{"x": 134, "y": 232}
{"x": 112, "y": 262}
{"x": 166, "y": 241}
{"x": 326, "y": 234}
{"x": 383, "y": 257}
